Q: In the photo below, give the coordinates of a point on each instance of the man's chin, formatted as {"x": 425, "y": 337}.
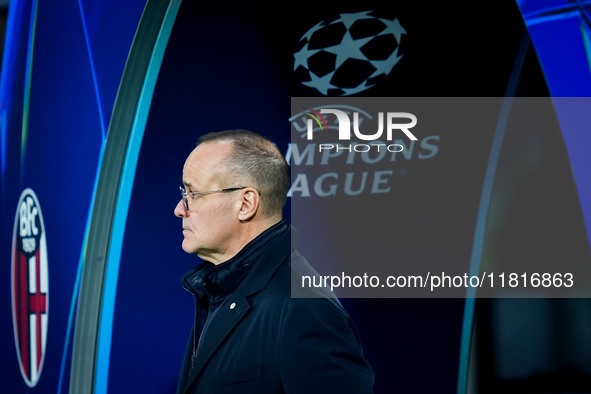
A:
{"x": 187, "y": 247}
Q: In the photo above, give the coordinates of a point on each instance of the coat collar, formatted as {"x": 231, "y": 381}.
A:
{"x": 277, "y": 253}
{"x": 217, "y": 281}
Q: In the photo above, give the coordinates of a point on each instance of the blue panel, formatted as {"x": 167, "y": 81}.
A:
{"x": 59, "y": 154}
{"x": 574, "y": 117}
{"x": 74, "y": 76}
{"x": 560, "y": 32}
{"x": 561, "y": 50}
{"x": 557, "y": 30}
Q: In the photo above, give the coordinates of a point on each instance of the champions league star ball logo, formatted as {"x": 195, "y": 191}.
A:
{"x": 349, "y": 53}
{"x": 30, "y": 287}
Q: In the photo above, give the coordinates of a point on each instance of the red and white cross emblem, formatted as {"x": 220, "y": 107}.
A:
{"x": 30, "y": 289}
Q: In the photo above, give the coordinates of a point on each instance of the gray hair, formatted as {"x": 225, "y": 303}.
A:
{"x": 254, "y": 161}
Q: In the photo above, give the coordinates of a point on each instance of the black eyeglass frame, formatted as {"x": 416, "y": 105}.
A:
{"x": 185, "y": 193}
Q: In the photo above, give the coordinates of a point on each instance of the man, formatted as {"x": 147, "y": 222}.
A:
{"x": 249, "y": 334}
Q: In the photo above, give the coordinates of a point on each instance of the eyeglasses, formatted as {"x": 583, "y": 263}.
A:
{"x": 186, "y": 202}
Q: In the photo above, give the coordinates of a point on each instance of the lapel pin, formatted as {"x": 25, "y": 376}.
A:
{"x": 233, "y": 305}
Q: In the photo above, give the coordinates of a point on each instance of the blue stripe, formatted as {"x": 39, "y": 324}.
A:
{"x": 28, "y": 79}
{"x": 535, "y": 20}
{"x": 562, "y": 8}
{"x": 16, "y": 8}
{"x": 92, "y": 68}
{"x": 485, "y": 197}
{"x": 587, "y": 42}
{"x": 125, "y": 189}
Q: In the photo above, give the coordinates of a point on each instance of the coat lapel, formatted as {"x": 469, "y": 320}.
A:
{"x": 220, "y": 327}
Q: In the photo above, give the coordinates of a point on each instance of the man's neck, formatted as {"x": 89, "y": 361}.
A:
{"x": 246, "y": 234}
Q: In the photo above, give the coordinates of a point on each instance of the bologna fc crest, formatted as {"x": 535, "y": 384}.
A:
{"x": 30, "y": 287}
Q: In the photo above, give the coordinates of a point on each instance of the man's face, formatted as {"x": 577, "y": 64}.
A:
{"x": 211, "y": 222}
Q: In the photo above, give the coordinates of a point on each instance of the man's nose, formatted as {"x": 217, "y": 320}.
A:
{"x": 179, "y": 210}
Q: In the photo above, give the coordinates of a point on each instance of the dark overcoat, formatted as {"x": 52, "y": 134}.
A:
{"x": 263, "y": 340}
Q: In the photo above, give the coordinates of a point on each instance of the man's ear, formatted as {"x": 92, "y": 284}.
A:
{"x": 250, "y": 204}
